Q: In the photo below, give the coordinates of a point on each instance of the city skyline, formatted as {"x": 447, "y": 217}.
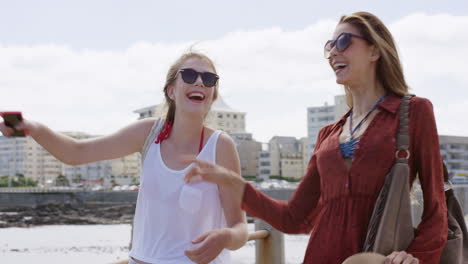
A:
{"x": 271, "y": 70}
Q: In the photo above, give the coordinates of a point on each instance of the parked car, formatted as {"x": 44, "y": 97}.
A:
{"x": 97, "y": 188}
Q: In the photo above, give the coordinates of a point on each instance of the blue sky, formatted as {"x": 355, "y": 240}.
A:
{"x": 117, "y": 24}
{"x": 86, "y": 65}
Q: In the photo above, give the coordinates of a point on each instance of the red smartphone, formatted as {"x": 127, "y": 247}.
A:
{"x": 11, "y": 120}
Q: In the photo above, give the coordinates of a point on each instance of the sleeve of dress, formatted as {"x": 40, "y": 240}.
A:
{"x": 293, "y": 216}
{"x": 431, "y": 234}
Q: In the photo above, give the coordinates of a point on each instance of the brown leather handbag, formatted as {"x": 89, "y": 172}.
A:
{"x": 456, "y": 248}
{"x": 391, "y": 227}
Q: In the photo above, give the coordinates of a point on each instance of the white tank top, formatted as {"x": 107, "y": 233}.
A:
{"x": 170, "y": 213}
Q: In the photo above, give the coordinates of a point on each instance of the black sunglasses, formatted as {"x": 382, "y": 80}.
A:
{"x": 189, "y": 76}
{"x": 341, "y": 43}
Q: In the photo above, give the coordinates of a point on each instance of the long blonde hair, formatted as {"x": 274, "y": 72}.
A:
{"x": 172, "y": 75}
{"x": 389, "y": 71}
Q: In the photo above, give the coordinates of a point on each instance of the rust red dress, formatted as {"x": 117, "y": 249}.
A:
{"x": 334, "y": 203}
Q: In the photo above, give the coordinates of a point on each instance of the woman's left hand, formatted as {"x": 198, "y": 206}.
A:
{"x": 212, "y": 243}
{"x": 401, "y": 257}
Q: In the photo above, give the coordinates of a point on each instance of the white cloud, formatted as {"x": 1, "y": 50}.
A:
{"x": 434, "y": 50}
{"x": 271, "y": 74}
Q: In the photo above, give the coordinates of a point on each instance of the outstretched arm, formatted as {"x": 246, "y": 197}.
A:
{"x": 71, "y": 151}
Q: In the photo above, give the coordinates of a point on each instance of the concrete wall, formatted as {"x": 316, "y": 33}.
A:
{"x": 27, "y": 199}
{"x": 33, "y": 199}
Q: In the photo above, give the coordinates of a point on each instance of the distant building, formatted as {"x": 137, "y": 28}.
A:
{"x": 320, "y": 116}
{"x": 42, "y": 166}
{"x": 264, "y": 163}
{"x": 126, "y": 170}
{"x": 279, "y": 147}
{"x": 225, "y": 118}
{"x": 454, "y": 151}
{"x": 304, "y": 143}
{"x": 13, "y": 156}
{"x": 283, "y": 157}
{"x": 291, "y": 165}
{"x": 248, "y": 150}
{"x": 89, "y": 173}
{"x": 23, "y": 155}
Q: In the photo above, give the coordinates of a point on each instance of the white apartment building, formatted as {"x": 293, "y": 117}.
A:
{"x": 41, "y": 165}
{"x": 13, "y": 156}
{"x": 221, "y": 117}
{"x": 90, "y": 173}
{"x": 126, "y": 170}
{"x": 23, "y": 155}
{"x": 320, "y": 116}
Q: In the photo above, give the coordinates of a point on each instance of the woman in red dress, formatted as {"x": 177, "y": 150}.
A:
{"x": 336, "y": 197}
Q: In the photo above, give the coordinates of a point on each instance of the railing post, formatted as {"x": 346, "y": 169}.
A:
{"x": 131, "y": 238}
{"x": 271, "y": 249}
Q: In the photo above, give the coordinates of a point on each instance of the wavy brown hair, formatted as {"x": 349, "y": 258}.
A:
{"x": 172, "y": 75}
{"x": 389, "y": 71}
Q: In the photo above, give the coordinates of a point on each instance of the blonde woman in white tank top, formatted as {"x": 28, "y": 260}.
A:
{"x": 174, "y": 222}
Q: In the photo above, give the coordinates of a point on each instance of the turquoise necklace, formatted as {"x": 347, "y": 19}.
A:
{"x": 351, "y": 130}
{"x": 347, "y": 148}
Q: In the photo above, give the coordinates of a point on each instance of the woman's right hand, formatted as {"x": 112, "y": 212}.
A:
{"x": 207, "y": 171}
{"x": 26, "y": 125}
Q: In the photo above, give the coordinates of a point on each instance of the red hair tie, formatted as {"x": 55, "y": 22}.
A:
{"x": 165, "y": 133}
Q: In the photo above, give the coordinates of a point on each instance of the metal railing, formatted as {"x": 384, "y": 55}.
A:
{"x": 269, "y": 244}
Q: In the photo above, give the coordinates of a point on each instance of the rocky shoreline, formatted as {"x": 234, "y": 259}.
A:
{"x": 67, "y": 214}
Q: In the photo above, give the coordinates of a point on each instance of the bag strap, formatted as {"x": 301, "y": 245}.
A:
{"x": 151, "y": 137}
{"x": 402, "y": 144}
{"x": 403, "y": 138}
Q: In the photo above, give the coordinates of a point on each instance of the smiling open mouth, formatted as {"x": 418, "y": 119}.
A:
{"x": 196, "y": 96}
{"x": 339, "y": 66}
